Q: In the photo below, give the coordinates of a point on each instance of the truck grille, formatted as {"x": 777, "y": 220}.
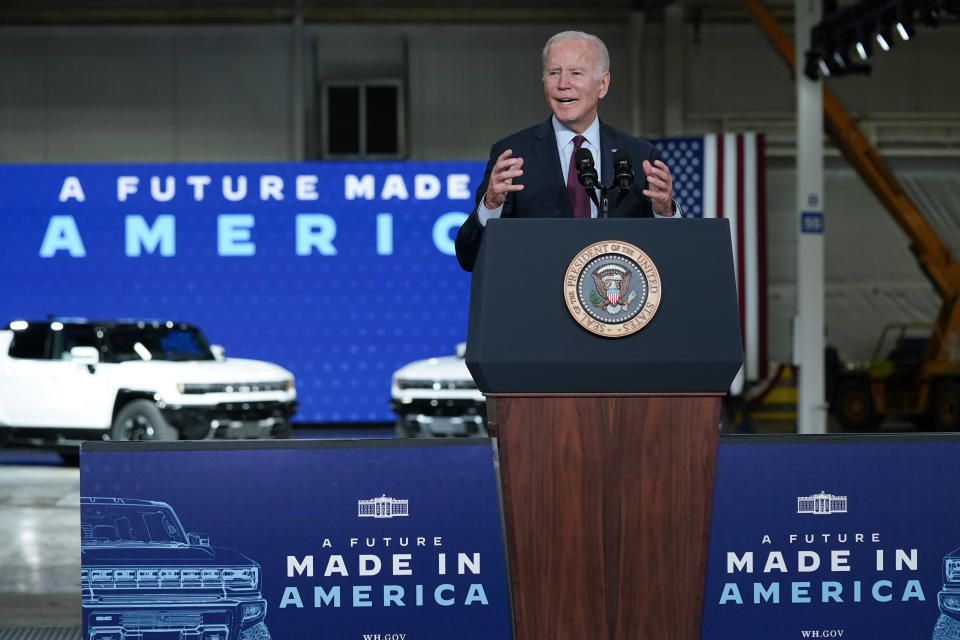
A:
{"x": 160, "y": 620}
{"x": 236, "y": 387}
{"x": 436, "y": 385}
{"x": 441, "y": 408}
{"x": 170, "y": 578}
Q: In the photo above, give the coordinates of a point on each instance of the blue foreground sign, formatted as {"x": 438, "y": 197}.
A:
{"x": 812, "y": 537}
{"x": 834, "y": 537}
{"x": 292, "y": 539}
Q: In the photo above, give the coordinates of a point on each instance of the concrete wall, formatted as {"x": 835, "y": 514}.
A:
{"x": 226, "y": 93}
{"x": 144, "y": 94}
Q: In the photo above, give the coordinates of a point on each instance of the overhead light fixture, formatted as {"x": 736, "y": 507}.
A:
{"x": 905, "y": 25}
{"x": 864, "y": 39}
{"x": 883, "y": 42}
{"x": 855, "y": 28}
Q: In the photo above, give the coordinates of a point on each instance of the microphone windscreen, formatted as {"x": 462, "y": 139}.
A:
{"x": 622, "y": 156}
{"x": 583, "y": 158}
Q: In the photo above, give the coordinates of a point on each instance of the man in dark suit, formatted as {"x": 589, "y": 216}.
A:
{"x": 530, "y": 173}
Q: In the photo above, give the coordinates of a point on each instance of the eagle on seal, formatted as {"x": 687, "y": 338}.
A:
{"x": 613, "y": 284}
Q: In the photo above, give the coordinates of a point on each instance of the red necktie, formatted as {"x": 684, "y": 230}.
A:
{"x": 579, "y": 200}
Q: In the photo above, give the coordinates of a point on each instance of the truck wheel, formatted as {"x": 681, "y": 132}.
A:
{"x": 853, "y": 405}
{"x": 946, "y": 629}
{"x": 403, "y": 429}
{"x": 141, "y": 420}
{"x": 945, "y": 406}
{"x": 258, "y": 631}
{"x": 282, "y": 429}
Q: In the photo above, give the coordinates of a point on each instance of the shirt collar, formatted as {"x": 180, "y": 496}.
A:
{"x": 565, "y": 135}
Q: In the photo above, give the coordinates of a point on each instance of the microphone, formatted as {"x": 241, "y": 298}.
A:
{"x": 586, "y": 172}
{"x": 622, "y": 173}
{"x": 622, "y": 169}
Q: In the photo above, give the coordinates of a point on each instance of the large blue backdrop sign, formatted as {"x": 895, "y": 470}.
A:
{"x": 341, "y": 272}
{"x": 835, "y": 538}
{"x": 292, "y": 539}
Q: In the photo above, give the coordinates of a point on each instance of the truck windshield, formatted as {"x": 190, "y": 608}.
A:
{"x": 116, "y": 524}
{"x": 157, "y": 343}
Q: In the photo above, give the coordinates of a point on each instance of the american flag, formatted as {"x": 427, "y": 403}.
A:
{"x": 722, "y": 176}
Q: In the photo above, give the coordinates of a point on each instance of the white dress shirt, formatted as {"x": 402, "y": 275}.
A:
{"x": 565, "y": 146}
{"x": 565, "y": 143}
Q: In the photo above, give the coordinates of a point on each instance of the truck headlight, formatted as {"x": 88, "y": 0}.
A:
{"x": 146, "y": 576}
{"x": 241, "y": 577}
{"x": 191, "y": 577}
{"x": 125, "y": 576}
{"x": 254, "y": 610}
{"x": 170, "y": 575}
{"x": 101, "y": 575}
{"x": 951, "y": 569}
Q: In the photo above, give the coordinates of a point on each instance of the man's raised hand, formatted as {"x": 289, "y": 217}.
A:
{"x": 659, "y": 187}
{"x": 501, "y": 180}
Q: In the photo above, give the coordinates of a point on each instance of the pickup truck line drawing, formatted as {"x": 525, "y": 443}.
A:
{"x": 144, "y": 576}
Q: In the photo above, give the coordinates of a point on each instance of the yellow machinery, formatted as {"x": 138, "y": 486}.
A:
{"x": 910, "y": 375}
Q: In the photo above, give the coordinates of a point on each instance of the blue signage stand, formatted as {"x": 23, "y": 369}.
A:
{"x": 252, "y": 540}
{"x": 811, "y": 537}
{"x": 835, "y": 537}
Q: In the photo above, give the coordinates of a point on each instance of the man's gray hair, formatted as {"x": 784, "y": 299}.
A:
{"x": 602, "y": 56}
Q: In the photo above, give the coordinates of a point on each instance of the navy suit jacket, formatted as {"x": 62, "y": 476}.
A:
{"x": 544, "y": 193}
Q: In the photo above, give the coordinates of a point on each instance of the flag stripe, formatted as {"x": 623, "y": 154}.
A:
{"x": 730, "y": 184}
{"x": 761, "y": 260}
{"x": 722, "y": 176}
{"x": 709, "y": 191}
{"x": 741, "y": 246}
{"x": 751, "y": 264}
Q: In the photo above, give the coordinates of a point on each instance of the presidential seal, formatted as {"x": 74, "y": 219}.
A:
{"x": 612, "y": 289}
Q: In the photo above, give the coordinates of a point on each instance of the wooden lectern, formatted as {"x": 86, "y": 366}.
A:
{"x": 607, "y": 445}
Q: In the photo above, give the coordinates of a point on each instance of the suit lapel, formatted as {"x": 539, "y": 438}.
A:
{"x": 545, "y": 150}
{"x": 608, "y": 142}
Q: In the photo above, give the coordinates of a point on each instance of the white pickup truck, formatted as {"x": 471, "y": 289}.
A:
{"x": 437, "y": 397}
{"x": 67, "y": 380}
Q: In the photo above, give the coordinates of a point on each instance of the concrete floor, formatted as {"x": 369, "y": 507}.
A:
{"x": 40, "y": 556}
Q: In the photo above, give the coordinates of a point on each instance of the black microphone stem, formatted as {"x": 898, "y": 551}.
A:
{"x": 603, "y": 209}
